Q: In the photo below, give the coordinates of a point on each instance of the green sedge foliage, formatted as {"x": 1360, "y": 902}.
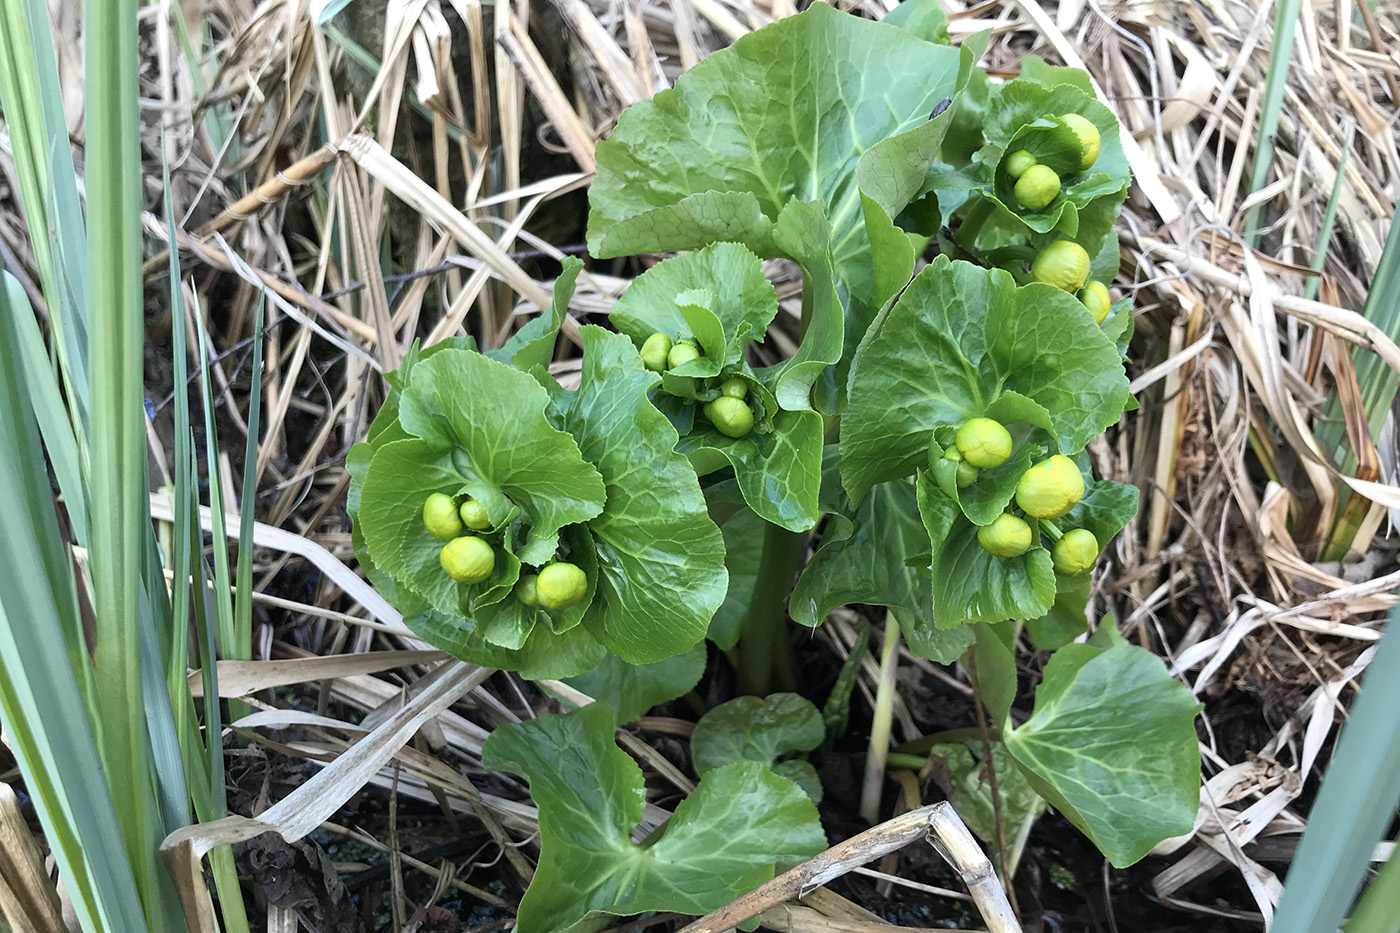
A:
{"x": 854, "y": 171}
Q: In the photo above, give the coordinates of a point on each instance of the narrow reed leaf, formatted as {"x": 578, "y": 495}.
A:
{"x": 41, "y": 705}
{"x": 1355, "y": 806}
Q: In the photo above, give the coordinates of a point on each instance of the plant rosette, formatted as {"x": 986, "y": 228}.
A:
{"x": 555, "y": 471}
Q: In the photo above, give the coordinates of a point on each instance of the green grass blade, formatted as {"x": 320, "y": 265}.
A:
{"x": 1280, "y": 51}
{"x": 1378, "y": 381}
{"x": 243, "y": 620}
{"x": 229, "y": 645}
{"x": 119, "y": 505}
{"x": 33, "y": 104}
{"x": 1354, "y": 808}
{"x": 40, "y": 700}
{"x": 1379, "y": 909}
{"x": 46, "y": 404}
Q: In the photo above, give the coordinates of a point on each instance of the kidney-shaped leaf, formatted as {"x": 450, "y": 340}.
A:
{"x": 723, "y": 840}
{"x": 1111, "y": 745}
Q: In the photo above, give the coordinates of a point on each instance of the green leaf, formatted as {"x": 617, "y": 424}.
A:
{"x": 632, "y": 689}
{"x": 922, "y": 18}
{"x": 744, "y": 535}
{"x": 724, "y": 839}
{"x": 713, "y": 160}
{"x": 1112, "y": 746}
{"x": 971, "y": 585}
{"x": 660, "y": 558}
{"x": 1033, "y": 68}
{"x": 544, "y": 656}
{"x": 1026, "y": 116}
{"x": 761, "y": 729}
{"x": 971, "y": 792}
{"x": 994, "y": 656}
{"x": 836, "y": 710}
{"x": 778, "y": 472}
{"x": 1067, "y": 618}
{"x": 533, "y": 344}
{"x": 742, "y": 300}
{"x": 864, "y": 559}
{"x": 400, "y": 476}
{"x": 958, "y": 339}
{"x": 1104, "y": 510}
{"x": 492, "y": 419}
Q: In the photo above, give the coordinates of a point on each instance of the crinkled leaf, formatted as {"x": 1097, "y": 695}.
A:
{"x": 778, "y": 472}
{"x": 864, "y": 559}
{"x": 742, "y": 300}
{"x": 492, "y": 417}
{"x": 971, "y": 791}
{"x": 760, "y": 729}
{"x": 1111, "y": 744}
{"x": 763, "y": 730}
{"x": 533, "y": 344}
{"x": 632, "y": 689}
{"x": 660, "y": 559}
{"x": 971, "y": 585}
{"x": 723, "y": 840}
{"x": 958, "y": 339}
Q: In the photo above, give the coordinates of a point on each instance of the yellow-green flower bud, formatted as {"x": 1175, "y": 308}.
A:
{"x": 467, "y": 559}
{"x": 1006, "y": 536}
{"x": 984, "y": 443}
{"x": 440, "y": 517}
{"x": 734, "y": 387}
{"x": 1050, "y": 488}
{"x": 1075, "y": 552}
{"x": 1063, "y": 264}
{"x": 1018, "y": 162}
{"x": 654, "y": 352}
{"x": 526, "y": 591}
{"x": 967, "y": 475}
{"x": 1095, "y": 297}
{"x": 561, "y": 585}
{"x": 730, "y": 416}
{"x": 474, "y": 515}
{"x": 1088, "y": 139}
{"x": 1037, "y": 187}
{"x": 682, "y": 353}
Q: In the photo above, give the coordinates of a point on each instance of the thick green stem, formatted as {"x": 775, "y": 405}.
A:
{"x": 880, "y": 725}
{"x": 973, "y": 222}
{"x": 763, "y": 647}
